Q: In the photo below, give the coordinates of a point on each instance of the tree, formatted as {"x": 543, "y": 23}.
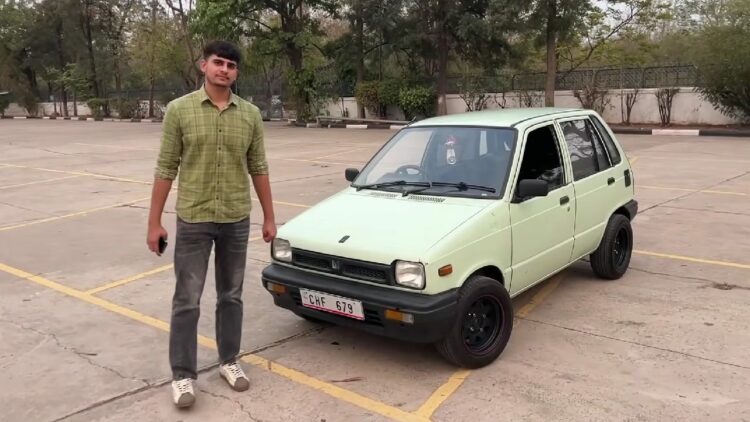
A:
{"x": 288, "y": 22}
{"x": 581, "y": 23}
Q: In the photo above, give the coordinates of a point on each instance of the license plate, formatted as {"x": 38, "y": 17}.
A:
{"x": 331, "y": 303}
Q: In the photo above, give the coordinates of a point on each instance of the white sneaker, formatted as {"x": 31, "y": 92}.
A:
{"x": 232, "y": 372}
{"x": 182, "y": 392}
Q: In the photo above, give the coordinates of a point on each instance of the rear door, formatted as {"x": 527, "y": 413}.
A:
{"x": 594, "y": 179}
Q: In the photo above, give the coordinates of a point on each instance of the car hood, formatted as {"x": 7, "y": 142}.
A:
{"x": 378, "y": 226}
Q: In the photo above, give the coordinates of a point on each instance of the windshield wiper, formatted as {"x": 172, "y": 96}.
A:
{"x": 393, "y": 183}
{"x": 460, "y": 185}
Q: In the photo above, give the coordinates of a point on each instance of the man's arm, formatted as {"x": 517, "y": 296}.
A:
{"x": 258, "y": 168}
{"x": 167, "y": 166}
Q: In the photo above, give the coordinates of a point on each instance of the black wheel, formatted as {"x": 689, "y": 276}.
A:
{"x": 612, "y": 258}
{"x": 482, "y": 327}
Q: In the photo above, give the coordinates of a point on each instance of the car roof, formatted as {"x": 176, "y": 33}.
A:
{"x": 508, "y": 117}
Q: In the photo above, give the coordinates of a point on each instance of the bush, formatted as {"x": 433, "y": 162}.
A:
{"x": 417, "y": 102}
{"x": 389, "y": 91}
{"x": 4, "y": 103}
{"x": 724, "y": 64}
{"x": 125, "y": 108}
{"x": 367, "y": 94}
{"x": 97, "y": 106}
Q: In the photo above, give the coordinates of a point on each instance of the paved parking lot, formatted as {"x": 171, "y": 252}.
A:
{"x": 84, "y": 307}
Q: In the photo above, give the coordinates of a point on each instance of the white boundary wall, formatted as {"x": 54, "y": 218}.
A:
{"x": 688, "y": 107}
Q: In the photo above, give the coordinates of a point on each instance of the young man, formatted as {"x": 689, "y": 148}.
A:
{"x": 215, "y": 138}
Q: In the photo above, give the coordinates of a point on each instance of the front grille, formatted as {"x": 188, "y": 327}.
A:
{"x": 352, "y": 268}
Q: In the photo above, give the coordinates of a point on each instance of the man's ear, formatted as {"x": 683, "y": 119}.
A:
{"x": 202, "y": 64}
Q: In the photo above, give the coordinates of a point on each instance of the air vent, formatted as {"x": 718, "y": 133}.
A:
{"x": 425, "y": 198}
{"x": 383, "y": 195}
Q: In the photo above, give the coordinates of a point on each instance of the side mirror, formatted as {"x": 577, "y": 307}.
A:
{"x": 531, "y": 188}
{"x": 351, "y": 174}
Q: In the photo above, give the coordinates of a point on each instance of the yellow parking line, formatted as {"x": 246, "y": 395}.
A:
{"x": 691, "y": 259}
{"x": 633, "y": 160}
{"x": 36, "y": 182}
{"x": 321, "y": 162}
{"x": 441, "y": 394}
{"x": 718, "y": 192}
{"x": 539, "y": 297}
{"x": 119, "y": 283}
{"x": 333, "y": 390}
{"x": 291, "y": 204}
{"x": 456, "y": 380}
{"x": 137, "y": 277}
{"x": 338, "y": 153}
{"x": 75, "y": 214}
{"x": 81, "y": 173}
{"x": 291, "y": 374}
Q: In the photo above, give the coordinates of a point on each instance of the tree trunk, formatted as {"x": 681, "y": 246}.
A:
{"x": 94, "y": 80}
{"x": 549, "y": 83}
{"x": 295, "y": 60}
{"x": 359, "y": 39}
{"x": 75, "y": 104}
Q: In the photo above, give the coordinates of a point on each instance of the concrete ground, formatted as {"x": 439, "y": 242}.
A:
{"x": 84, "y": 307}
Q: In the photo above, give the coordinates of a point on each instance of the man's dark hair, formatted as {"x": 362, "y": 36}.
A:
{"x": 223, "y": 49}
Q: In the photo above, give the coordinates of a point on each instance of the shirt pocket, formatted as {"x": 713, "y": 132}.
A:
{"x": 237, "y": 136}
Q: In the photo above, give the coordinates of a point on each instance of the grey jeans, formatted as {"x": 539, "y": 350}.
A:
{"x": 192, "y": 250}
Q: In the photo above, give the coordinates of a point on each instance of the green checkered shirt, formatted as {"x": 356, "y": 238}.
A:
{"x": 214, "y": 151}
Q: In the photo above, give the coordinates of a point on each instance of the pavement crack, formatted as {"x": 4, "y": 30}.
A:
{"x": 237, "y": 402}
{"x": 26, "y": 209}
{"x": 83, "y": 355}
{"x": 140, "y": 207}
{"x": 635, "y": 343}
{"x": 729, "y": 179}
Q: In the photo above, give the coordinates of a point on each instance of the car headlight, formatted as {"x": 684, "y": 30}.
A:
{"x": 281, "y": 250}
{"x": 410, "y": 274}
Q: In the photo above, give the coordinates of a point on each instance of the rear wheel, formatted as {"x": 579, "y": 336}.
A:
{"x": 612, "y": 258}
{"x": 483, "y": 324}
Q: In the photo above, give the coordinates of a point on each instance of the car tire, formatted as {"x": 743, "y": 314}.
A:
{"x": 483, "y": 305}
{"x": 611, "y": 259}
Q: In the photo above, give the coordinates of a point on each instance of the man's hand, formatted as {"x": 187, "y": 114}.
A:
{"x": 269, "y": 230}
{"x": 152, "y": 239}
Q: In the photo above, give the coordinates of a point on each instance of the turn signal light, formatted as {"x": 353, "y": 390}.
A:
{"x": 445, "y": 270}
{"x": 276, "y": 288}
{"x": 399, "y": 316}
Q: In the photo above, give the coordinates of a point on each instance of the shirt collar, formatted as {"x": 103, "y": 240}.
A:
{"x": 203, "y": 97}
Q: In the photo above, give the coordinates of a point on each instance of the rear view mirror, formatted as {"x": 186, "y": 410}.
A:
{"x": 351, "y": 174}
{"x": 531, "y": 188}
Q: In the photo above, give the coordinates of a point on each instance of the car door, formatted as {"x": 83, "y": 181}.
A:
{"x": 594, "y": 181}
{"x": 542, "y": 227}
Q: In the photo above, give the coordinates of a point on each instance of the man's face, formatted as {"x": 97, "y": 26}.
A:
{"x": 219, "y": 71}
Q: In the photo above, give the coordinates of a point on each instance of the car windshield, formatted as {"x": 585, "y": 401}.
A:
{"x": 442, "y": 160}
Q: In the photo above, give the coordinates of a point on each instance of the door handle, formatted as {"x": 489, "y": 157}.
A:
{"x": 564, "y": 200}
{"x": 610, "y": 180}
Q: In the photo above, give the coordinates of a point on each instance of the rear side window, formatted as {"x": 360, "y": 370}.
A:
{"x": 587, "y": 154}
{"x": 614, "y": 155}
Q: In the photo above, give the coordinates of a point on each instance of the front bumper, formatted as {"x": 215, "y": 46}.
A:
{"x": 433, "y": 314}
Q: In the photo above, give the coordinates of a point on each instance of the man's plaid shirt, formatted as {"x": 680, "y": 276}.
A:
{"x": 214, "y": 151}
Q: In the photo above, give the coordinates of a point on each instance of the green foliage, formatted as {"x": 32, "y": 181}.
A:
{"x": 367, "y": 94}
{"x": 97, "y": 106}
{"x": 418, "y": 101}
{"x": 389, "y": 91}
{"x": 473, "y": 89}
{"x": 723, "y": 59}
{"x": 125, "y": 108}
{"x": 4, "y": 103}
{"x": 314, "y": 85}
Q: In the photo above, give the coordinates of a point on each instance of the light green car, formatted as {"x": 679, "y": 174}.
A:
{"x": 453, "y": 217}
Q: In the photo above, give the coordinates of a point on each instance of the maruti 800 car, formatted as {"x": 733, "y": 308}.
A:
{"x": 450, "y": 219}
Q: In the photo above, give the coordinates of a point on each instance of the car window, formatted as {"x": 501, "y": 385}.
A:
{"x": 609, "y": 143}
{"x": 587, "y": 154}
{"x": 542, "y": 159}
{"x": 408, "y": 152}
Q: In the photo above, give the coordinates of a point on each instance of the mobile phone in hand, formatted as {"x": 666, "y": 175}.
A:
{"x": 162, "y": 244}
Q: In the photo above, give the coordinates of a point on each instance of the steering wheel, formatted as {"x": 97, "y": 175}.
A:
{"x": 404, "y": 170}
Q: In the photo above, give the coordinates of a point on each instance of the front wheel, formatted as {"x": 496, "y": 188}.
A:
{"x": 482, "y": 327}
{"x": 612, "y": 258}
